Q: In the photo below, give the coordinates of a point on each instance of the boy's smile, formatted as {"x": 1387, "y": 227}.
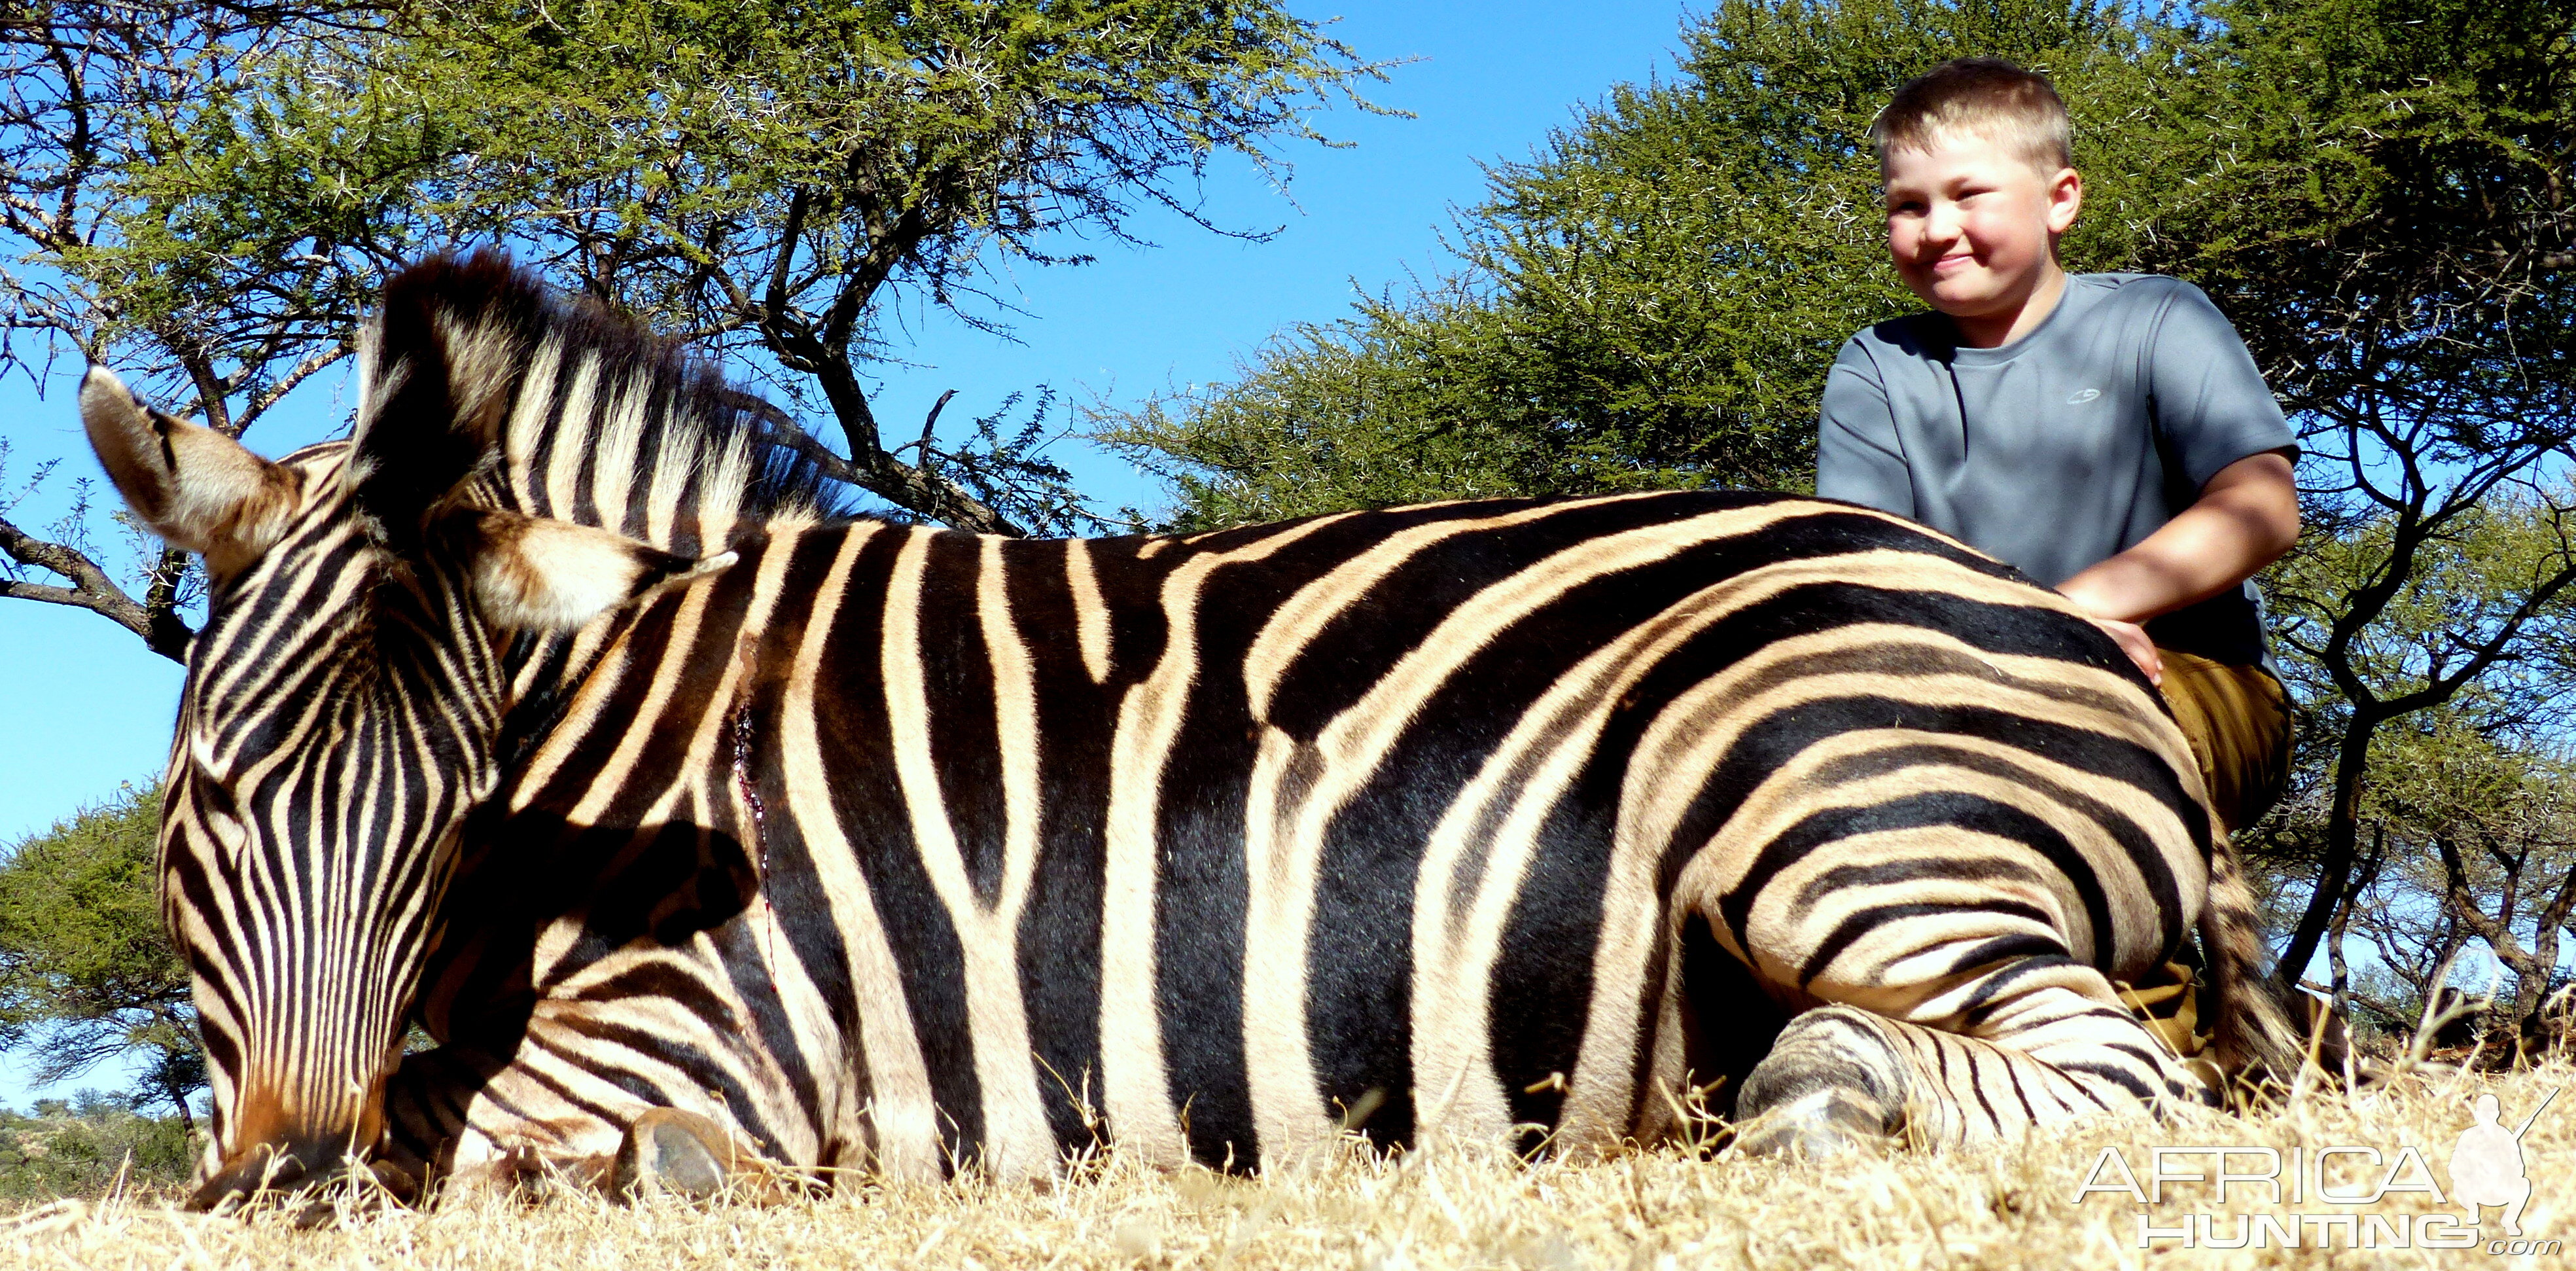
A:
{"x": 1973, "y": 229}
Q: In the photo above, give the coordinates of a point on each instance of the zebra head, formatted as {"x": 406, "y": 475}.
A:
{"x": 342, "y": 706}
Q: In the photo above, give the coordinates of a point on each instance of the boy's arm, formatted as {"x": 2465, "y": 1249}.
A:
{"x": 2245, "y": 518}
{"x": 1858, "y": 458}
{"x": 2225, "y": 431}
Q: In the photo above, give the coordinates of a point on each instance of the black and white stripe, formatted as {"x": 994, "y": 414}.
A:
{"x": 898, "y": 848}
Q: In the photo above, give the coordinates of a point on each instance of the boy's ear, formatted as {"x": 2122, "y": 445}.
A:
{"x": 2065, "y": 200}
{"x": 540, "y": 575}
{"x": 197, "y": 488}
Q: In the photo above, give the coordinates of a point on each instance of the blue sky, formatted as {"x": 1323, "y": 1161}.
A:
{"x": 88, "y": 707}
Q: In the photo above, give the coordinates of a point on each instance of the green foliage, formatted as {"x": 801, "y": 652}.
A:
{"x": 209, "y": 194}
{"x": 263, "y": 211}
{"x": 2365, "y": 144}
{"x": 771, "y": 176}
{"x": 86, "y": 972}
{"x": 90, "y": 1145}
{"x": 861, "y": 136}
{"x": 174, "y": 199}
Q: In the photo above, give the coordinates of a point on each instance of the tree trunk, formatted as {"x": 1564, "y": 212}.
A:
{"x": 2532, "y": 1000}
{"x": 2335, "y": 931}
{"x": 2343, "y": 832}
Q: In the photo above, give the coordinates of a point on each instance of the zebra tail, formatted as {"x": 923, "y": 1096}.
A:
{"x": 2255, "y": 1036}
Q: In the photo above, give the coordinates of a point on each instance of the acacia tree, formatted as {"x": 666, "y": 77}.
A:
{"x": 2469, "y": 838}
{"x": 771, "y": 176}
{"x": 209, "y": 196}
{"x": 95, "y": 96}
{"x": 2461, "y": 825}
{"x": 86, "y": 973}
{"x": 2509, "y": 874}
{"x": 2384, "y": 213}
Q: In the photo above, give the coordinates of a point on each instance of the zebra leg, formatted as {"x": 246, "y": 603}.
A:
{"x": 1832, "y": 1083}
{"x": 474, "y": 1121}
{"x": 469, "y": 1120}
{"x": 2024, "y": 1045}
{"x": 662, "y": 1152}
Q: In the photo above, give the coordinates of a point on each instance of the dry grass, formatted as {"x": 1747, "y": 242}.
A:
{"x": 2011, "y": 1207}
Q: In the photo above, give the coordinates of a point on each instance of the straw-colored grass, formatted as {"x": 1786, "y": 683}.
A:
{"x": 2003, "y": 1207}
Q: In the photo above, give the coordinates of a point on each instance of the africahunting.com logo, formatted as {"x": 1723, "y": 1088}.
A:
{"x": 2326, "y": 1192}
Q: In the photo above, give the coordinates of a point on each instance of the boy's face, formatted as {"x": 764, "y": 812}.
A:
{"x": 1973, "y": 226}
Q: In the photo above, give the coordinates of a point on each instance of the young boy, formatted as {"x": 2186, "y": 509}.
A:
{"x": 2107, "y": 433}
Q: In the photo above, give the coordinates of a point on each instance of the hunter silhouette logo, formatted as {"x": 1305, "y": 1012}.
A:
{"x": 2486, "y": 1164}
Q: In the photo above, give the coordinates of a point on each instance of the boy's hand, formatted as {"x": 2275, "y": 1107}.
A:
{"x": 2245, "y": 518}
{"x": 2135, "y": 642}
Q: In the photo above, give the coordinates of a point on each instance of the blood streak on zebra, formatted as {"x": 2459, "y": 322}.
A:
{"x": 558, "y": 713}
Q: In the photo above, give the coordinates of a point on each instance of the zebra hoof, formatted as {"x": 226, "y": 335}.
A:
{"x": 1821, "y": 1126}
{"x": 1831, "y": 1085}
{"x": 668, "y": 1152}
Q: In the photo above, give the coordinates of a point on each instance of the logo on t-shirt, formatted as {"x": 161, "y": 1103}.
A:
{"x": 2083, "y": 397}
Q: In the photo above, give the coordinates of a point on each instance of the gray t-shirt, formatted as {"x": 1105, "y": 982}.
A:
{"x": 2065, "y": 447}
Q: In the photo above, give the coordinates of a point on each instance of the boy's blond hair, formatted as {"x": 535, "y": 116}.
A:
{"x": 1984, "y": 97}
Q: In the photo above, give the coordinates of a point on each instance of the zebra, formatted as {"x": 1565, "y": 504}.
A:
{"x": 561, "y": 714}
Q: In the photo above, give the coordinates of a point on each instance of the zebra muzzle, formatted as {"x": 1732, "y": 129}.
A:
{"x": 315, "y": 1183}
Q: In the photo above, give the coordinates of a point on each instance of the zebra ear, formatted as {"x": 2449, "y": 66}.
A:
{"x": 534, "y": 574}
{"x": 201, "y": 490}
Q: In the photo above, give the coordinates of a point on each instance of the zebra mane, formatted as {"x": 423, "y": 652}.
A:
{"x": 559, "y": 407}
